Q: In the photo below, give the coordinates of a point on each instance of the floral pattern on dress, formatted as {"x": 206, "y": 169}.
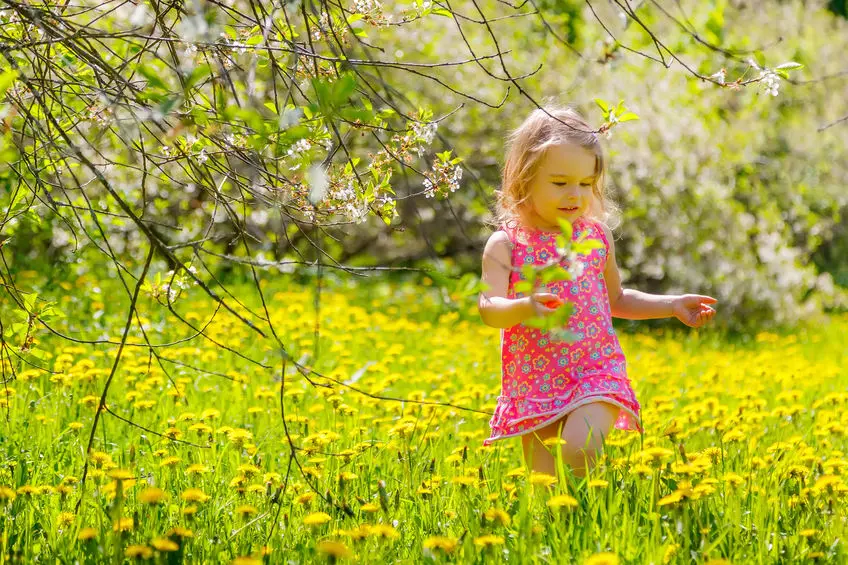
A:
{"x": 541, "y": 379}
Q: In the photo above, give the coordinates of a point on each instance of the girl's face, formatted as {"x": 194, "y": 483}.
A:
{"x": 562, "y": 186}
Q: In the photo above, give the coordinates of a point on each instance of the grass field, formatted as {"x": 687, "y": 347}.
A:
{"x": 742, "y": 461}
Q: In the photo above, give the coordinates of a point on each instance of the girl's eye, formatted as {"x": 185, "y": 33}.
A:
{"x": 560, "y": 183}
{"x": 585, "y": 184}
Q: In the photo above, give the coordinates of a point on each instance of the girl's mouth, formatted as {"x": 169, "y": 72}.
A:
{"x": 574, "y": 209}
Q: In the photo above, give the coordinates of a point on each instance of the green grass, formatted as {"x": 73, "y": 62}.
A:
{"x": 384, "y": 467}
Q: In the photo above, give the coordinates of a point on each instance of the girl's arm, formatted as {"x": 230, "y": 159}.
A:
{"x": 495, "y": 308}
{"x": 691, "y": 309}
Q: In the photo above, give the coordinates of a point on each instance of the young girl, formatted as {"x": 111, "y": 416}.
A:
{"x": 576, "y": 391}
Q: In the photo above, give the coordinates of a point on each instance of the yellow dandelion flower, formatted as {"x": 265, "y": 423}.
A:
{"x": 333, "y": 549}
{"x": 553, "y": 441}
{"x": 179, "y": 532}
{"x": 672, "y": 498}
{"x": 808, "y": 533}
{"x": 272, "y": 478}
{"x": 196, "y": 469}
{"x": 599, "y": 483}
{"x": 305, "y": 498}
{"x": 63, "y": 490}
{"x": 517, "y": 472}
{"x": 246, "y": 510}
{"x": 165, "y": 545}
{"x": 825, "y": 482}
{"x": 347, "y": 476}
{"x": 7, "y": 494}
{"x": 733, "y": 436}
{"x": 138, "y": 552}
{"x": 642, "y": 470}
{"x": 733, "y": 479}
{"x": 385, "y": 531}
{"x": 239, "y": 436}
{"x": 488, "y": 540}
{"x": 370, "y": 507}
{"x": 65, "y": 518}
{"x": 447, "y": 545}
{"x": 246, "y": 560}
{"x": 75, "y": 425}
{"x": 189, "y": 510}
{"x": 152, "y": 495}
{"x": 361, "y": 532}
{"x": 194, "y": 495}
{"x": 123, "y": 525}
{"x": 562, "y": 500}
{"x": 703, "y": 490}
{"x": 28, "y": 490}
{"x": 210, "y": 414}
{"x": 169, "y": 461}
{"x": 670, "y": 552}
{"x": 317, "y": 519}
{"x": 542, "y": 479}
{"x": 238, "y": 480}
{"x": 454, "y": 458}
{"x": 464, "y": 481}
{"x": 605, "y": 558}
{"x": 86, "y": 534}
{"x": 497, "y": 515}
{"x": 248, "y": 470}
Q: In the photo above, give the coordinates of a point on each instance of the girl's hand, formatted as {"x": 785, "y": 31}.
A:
{"x": 692, "y": 309}
{"x": 545, "y": 303}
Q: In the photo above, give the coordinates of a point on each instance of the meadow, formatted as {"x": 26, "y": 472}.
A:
{"x": 742, "y": 460}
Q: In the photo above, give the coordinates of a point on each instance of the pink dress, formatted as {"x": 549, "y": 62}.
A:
{"x": 543, "y": 380}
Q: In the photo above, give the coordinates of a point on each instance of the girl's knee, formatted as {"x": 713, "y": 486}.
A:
{"x": 588, "y": 425}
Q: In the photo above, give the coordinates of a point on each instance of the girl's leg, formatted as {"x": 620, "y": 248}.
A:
{"x": 536, "y": 454}
{"x": 584, "y": 433}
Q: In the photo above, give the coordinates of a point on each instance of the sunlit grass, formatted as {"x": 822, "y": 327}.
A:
{"x": 742, "y": 458}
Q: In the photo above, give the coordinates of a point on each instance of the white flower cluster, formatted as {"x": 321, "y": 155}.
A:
{"x": 425, "y": 133}
{"x": 445, "y": 174}
{"x": 319, "y": 31}
{"x": 350, "y": 205}
{"x": 297, "y": 150}
{"x": 302, "y": 146}
{"x": 367, "y": 6}
{"x": 575, "y": 266}
{"x": 173, "y": 285}
{"x": 771, "y": 81}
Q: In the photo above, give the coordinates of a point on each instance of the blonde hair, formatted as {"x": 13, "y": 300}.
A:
{"x": 527, "y": 146}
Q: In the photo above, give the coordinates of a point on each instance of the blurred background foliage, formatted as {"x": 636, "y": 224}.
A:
{"x": 724, "y": 190}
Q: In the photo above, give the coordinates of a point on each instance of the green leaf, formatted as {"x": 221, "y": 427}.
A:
{"x": 529, "y": 272}
{"x": 555, "y": 273}
{"x": 585, "y": 247}
{"x": 566, "y": 228}
{"x": 603, "y": 104}
{"x": 6, "y": 80}
{"x": 523, "y": 287}
{"x": 627, "y": 116}
{"x": 152, "y": 76}
{"x": 443, "y": 12}
{"x": 198, "y": 73}
{"x": 790, "y": 65}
